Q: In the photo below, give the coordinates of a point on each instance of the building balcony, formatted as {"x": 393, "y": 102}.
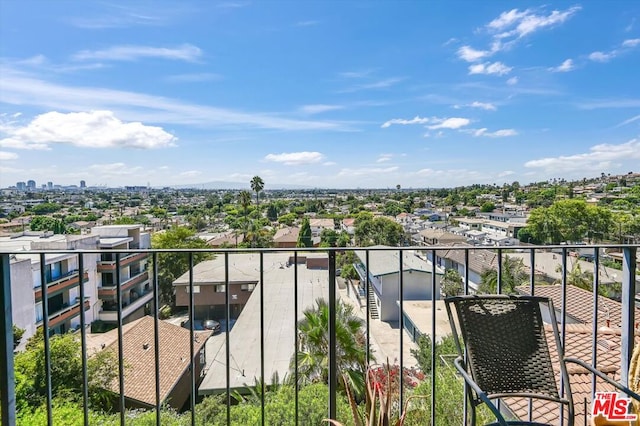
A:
{"x": 65, "y": 313}
{"x": 265, "y": 336}
{"x": 109, "y": 312}
{"x": 110, "y": 291}
{"x": 63, "y": 283}
{"x": 108, "y": 260}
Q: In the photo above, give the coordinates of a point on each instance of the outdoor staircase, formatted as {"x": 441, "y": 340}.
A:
{"x": 373, "y": 307}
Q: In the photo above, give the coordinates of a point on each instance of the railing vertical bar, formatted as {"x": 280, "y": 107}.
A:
{"x": 367, "y": 295}
{"x": 295, "y": 325}
{"x": 563, "y": 324}
{"x": 228, "y": 348}
{"x": 333, "y": 382}
{"x": 45, "y": 335}
{"x": 628, "y": 309}
{"x": 594, "y": 325}
{"x": 532, "y": 289}
{"x": 466, "y": 271}
{"x": 120, "y": 341}
{"x": 192, "y": 318}
{"x": 156, "y": 333}
{"x": 83, "y": 343}
{"x": 401, "y": 328}
{"x": 7, "y": 374}
{"x": 262, "y": 337}
{"x": 465, "y": 401}
{"x": 433, "y": 337}
{"x": 499, "y": 278}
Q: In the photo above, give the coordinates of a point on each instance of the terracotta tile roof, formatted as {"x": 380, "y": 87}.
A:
{"x": 577, "y": 345}
{"x": 580, "y": 304}
{"x": 139, "y": 358}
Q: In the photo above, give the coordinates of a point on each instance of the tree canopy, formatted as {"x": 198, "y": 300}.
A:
{"x": 173, "y": 264}
{"x": 378, "y": 231}
{"x": 304, "y": 237}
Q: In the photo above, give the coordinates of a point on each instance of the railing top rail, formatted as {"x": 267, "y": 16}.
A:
{"x": 326, "y": 249}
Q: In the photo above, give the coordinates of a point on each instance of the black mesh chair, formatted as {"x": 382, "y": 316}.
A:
{"x": 503, "y": 352}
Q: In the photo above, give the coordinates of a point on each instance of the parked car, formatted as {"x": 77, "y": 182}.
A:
{"x": 212, "y": 325}
{"x": 201, "y": 325}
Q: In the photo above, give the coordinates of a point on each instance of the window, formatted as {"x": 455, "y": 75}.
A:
{"x": 247, "y": 287}
{"x": 221, "y": 288}
{"x": 38, "y": 311}
{"x": 196, "y": 289}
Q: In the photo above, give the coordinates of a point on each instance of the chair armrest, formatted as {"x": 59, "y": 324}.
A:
{"x": 604, "y": 377}
{"x": 482, "y": 395}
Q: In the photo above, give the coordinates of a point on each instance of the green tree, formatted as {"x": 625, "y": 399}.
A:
{"x": 257, "y": 185}
{"x": 487, "y": 207}
{"x": 173, "y": 264}
{"x": 47, "y": 223}
{"x": 272, "y": 212}
{"x": 513, "y": 275}
{"x": 304, "y": 237}
{"x": 422, "y": 354}
{"x": 378, "y": 231}
{"x": 569, "y": 220}
{"x": 45, "y": 208}
{"x": 313, "y": 350}
{"x": 66, "y": 371}
{"x": 328, "y": 238}
{"x": 451, "y": 283}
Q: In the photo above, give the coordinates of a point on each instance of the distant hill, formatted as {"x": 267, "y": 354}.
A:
{"x": 219, "y": 184}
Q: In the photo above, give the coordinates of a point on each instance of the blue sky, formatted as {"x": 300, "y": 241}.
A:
{"x": 320, "y": 94}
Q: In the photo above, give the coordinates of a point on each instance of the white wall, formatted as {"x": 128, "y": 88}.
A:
{"x": 416, "y": 286}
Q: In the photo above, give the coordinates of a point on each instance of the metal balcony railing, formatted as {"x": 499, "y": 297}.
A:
{"x": 625, "y": 324}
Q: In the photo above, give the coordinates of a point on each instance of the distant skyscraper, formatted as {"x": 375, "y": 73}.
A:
{"x": 83, "y": 184}
{"x": 31, "y": 184}
{"x": 49, "y": 186}
{"x": 21, "y": 186}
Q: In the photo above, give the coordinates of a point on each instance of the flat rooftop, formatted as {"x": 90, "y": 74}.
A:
{"x": 279, "y": 322}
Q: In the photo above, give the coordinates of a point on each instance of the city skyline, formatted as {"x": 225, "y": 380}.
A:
{"x": 363, "y": 95}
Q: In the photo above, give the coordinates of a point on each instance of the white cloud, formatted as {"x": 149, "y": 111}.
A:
{"x": 601, "y": 56}
{"x": 416, "y": 120}
{"x": 4, "y": 155}
{"x": 512, "y": 81}
{"x": 319, "y": 108}
{"x": 629, "y": 121}
{"x": 380, "y": 84}
{"x": 19, "y": 89}
{"x": 450, "y": 123}
{"x": 506, "y": 19}
{"x": 296, "y": 158}
{"x": 483, "y": 105}
{"x": 565, "y": 66}
{"x": 631, "y": 42}
{"x": 186, "y": 52}
{"x": 497, "y": 134}
{"x": 625, "y": 46}
{"x": 191, "y": 173}
{"x": 94, "y": 129}
{"x": 599, "y": 157}
{"x": 497, "y": 68}
{"x": 383, "y": 158}
{"x": 470, "y": 54}
{"x": 511, "y": 26}
{"x": 506, "y": 173}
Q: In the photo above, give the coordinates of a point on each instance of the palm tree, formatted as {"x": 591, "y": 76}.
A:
{"x": 577, "y": 277}
{"x": 245, "y": 200}
{"x": 513, "y": 275}
{"x": 313, "y": 349}
{"x": 257, "y": 184}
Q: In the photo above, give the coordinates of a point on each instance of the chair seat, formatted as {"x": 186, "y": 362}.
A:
{"x": 519, "y": 423}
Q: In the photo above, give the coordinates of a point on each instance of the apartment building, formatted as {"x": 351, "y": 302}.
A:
{"x": 61, "y": 274}
{"x": 129, "y": 269}
{"x": 61, "y": 277}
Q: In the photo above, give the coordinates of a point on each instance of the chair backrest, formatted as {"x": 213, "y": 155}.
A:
{"x": 505, "y": 342}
